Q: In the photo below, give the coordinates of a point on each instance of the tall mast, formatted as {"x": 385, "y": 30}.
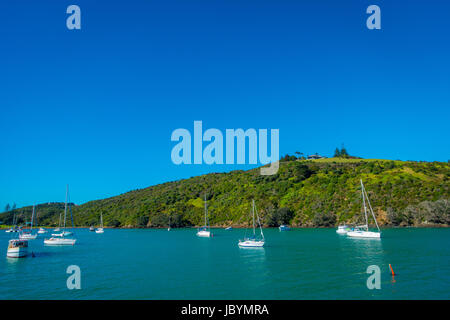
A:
{"x": 371, "y": 210}
{"x": 65, "y": 208}
{"x": 32, "y": 219}
{"x": 206, "y": 210}
{"x": 259, "y": 221}
{"x": 254, "y": 233}
{"x": 364, "y": 204}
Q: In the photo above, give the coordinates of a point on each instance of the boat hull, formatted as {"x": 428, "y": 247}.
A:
{"x": 59, "y": 242}
{"x": 27, "y": 236}
{"x": 364, "y": 234}
{"x": 205, "y": 234}
{"x": 99, "y": 230}
{"x": 251, "y": 244}
{"x": 17, "y": 252}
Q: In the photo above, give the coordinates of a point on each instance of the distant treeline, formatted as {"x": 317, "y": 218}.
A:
{"x": 303, "y": 193}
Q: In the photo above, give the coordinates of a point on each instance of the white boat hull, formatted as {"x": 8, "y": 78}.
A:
{"x": 59, "y": 242}
{"x": 251, "y": 244}
{"x": 17, "y": 252}
{"x": 364, "y": 234}
{"x": 62, "y": 234}
{"x": 99, "y": 230}
{"x": 205, "y": 234}
{"x": 27, "y": 236}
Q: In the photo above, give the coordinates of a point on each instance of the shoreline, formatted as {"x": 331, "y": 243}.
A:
{"x": 428, "y": 226}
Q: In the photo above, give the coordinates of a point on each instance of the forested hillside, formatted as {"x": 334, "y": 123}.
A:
{"x": 308, "y": 193}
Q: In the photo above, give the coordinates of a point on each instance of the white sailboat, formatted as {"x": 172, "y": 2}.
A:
{"x": 100, "y": 230}
{"x": 14, "y": 227}
{"x": 60, "y": 239}
{"x": 28, "y": 235}
{"x": 205, "y": 230}
{"x": 253, "y": 241}
{"x": 363, "y": 231}
{"x": 59, "y": 224}
{"x": 41, "y": 230}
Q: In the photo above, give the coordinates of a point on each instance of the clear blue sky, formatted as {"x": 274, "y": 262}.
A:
{"x": 95, "y": 108}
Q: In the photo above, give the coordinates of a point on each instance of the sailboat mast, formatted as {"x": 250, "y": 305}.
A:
{"x": 65, "y": 208}
{"x": 371, "y": 210}
{"x": 364, "y": 204}
{"x": 32, "y": 219}
{"x": 254, "y": 233}
{"x": 206, "y": 210}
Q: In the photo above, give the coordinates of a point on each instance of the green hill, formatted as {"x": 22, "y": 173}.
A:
{"x": 306, "y": 193}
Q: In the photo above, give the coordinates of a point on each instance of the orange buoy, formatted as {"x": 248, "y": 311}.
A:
{"x": 392, "y": 270}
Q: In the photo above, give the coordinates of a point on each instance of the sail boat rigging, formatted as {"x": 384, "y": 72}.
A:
{"x": 100, "y": 230}
{"x": 363, "y": 231}
{"x": 205, "y": 230}
{"x": 60, "y": 238}
{"x": 28, "y": 235}
{"x": 253, "y": 241}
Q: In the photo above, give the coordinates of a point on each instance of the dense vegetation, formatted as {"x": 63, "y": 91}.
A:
{"x": 321, "y": 192}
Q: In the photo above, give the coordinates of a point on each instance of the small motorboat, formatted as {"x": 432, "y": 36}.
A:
{"x": 42, "y": 230}
{"x": 57, "y": 229}
{"x": 17, "y": 248}
{"x": 343, "y": 229}
{"x": 284, "y": 227}
{"x": 229, "y": 228}
{"x": 91, "y": 228}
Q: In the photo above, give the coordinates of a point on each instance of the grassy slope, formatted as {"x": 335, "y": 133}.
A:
{"x": 329, "y": 186}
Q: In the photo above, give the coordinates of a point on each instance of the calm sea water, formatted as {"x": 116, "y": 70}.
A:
{"x": 298, "y": 264}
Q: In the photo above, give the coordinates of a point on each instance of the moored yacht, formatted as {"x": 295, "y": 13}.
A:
{"x": 363, "y": 231}
{"x": 100, "y": 230}
{"x": 28, "y": 234}
{"x": 284, "y": 227}
{"x": 205, "y": 230}
{"x": 253, "y": 241}
{"x": 59, "y": 239}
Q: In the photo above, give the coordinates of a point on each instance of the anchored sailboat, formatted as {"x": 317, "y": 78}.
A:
{"x": 253, "y": 241}
{"x": 60, "y": 238}
{"x": 100, "y": 230}
{"x": 363, "y": 231}
{"x": 28, "y": 235}
{"x": 205, "y": 230}
{"x": 14, "y": 227}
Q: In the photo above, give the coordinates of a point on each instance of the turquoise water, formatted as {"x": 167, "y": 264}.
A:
{"x": 298, "y": 264}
